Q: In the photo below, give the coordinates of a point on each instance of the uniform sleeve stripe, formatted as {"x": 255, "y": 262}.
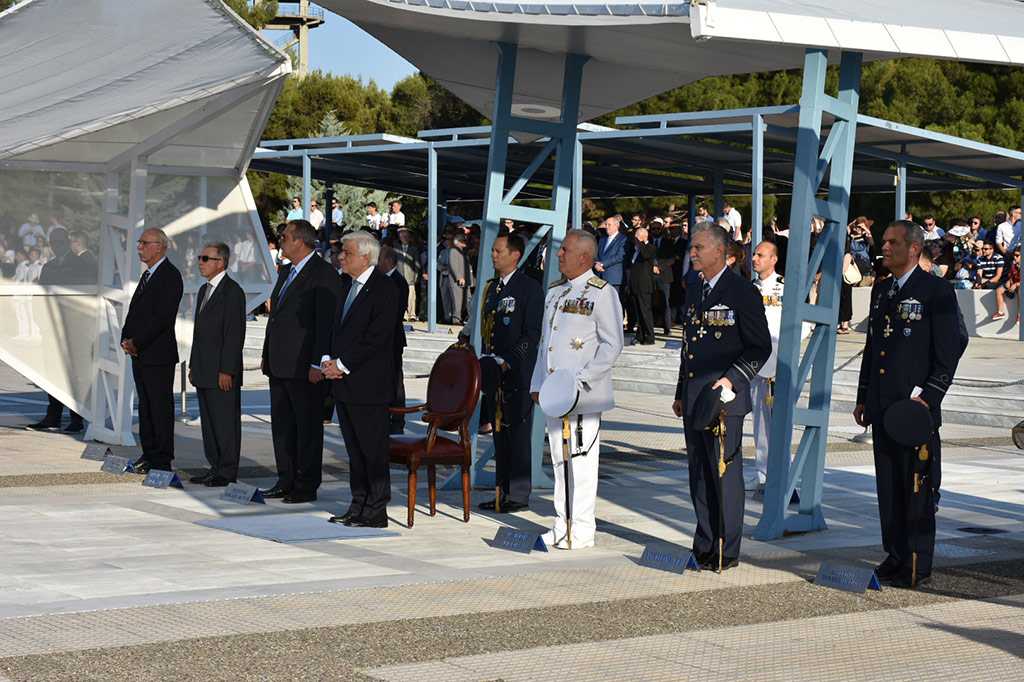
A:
{"x": 937, "y": 387}
{"x": 744, "y": 368}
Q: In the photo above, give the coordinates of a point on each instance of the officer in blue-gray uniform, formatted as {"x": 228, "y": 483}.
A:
{"x": 725, "y": 343}
{"x": 913, "y": 346}
{"x": 510, "y": 331}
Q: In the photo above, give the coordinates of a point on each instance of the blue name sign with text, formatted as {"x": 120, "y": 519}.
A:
{"x": 848, "y": 578}
{"x": 97, "y": 452}
{"x": 674, "y": 560}
{"x": 518, "y": 541}
{"x": 117, "y": 465}
{"x": 162, "y": 479}
{"x": 242, "y": 493}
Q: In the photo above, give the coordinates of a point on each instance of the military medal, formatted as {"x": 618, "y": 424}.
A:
{"x": 701, "y": 332}
{"x": 576, "y": 342}
{"x": 507, "y": 320}
{"x": 906, "y": 331}
{"x": 718, "y": 335}
{"x": 888, "y": 328}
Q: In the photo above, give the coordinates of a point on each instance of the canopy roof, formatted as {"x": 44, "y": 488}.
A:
{"x": 664, "y": 155}
{"x": 640, "y": 49}
{"x": 125, "y": 71}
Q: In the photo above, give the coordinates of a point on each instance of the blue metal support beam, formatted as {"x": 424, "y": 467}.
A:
{"x": 757, "y": 186}
{"x": 432, "y": 234}
{"x": 812, "y": 156}
{"x": 497, "y": 205}
{"x": 307, "y": 190}
{"x": 901, "y": 191}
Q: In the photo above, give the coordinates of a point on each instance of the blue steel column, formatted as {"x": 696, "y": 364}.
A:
{"x": 307, "y": 178}
{"x": 901, "y": 189}
{"x": 812, "y": 160}
{"x": 498, "y": 204}
{"x": 577, "y": 187}
{"x": 719, "y": 199}
{"x": 432, "y": 276}
{"x": 757, "y": 187}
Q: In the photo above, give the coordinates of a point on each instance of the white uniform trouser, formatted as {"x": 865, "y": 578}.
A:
{"x": 762, "y": 415}
{"x": 582, "y": 473}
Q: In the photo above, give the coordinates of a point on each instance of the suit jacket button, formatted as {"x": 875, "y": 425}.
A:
{"x": 881, "y": 371}
{"x": 691, "y": 375}
{"x": 694, "y": 338}
{"x": 556, "y": 327}
{"x": 691, "y": 356}
{"x": 551, "y": 348}
{"x": 882, "y": 353}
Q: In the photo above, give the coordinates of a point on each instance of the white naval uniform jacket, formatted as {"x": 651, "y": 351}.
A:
{"x": 772, "y": 290}
{"x": 582, "y": 332}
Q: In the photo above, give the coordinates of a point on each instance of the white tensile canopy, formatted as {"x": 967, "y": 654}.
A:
{"x": 640, "y": 49}
{"x": 119, "y": 115}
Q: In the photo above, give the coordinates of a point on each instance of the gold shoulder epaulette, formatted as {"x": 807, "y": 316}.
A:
{"x": 782, "y": 280}
{"x": 558, "y": 283}
{"x": 596, "y": 281}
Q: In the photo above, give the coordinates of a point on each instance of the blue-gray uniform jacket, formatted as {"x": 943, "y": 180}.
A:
{"x": 914, "y": 340}
{"x": 510, "y": 326}
{"x": 724, "y": 336}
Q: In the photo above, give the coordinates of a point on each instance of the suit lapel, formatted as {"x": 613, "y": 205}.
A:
{"x": 717, "y": 291}
{"x": 360, "y": 295}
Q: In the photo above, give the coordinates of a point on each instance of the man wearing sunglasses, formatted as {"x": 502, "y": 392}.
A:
{"x": 215, "y": 366}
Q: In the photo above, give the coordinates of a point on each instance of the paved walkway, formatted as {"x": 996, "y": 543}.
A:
{"x": 101, "y": 578}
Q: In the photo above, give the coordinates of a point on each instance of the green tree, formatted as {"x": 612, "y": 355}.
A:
{"x": 257, "y": 14}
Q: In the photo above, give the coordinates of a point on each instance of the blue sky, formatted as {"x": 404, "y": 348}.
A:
{"x": 341, "y": 47}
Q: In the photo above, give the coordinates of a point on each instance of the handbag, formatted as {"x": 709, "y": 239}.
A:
{"x": 851, "y": 275}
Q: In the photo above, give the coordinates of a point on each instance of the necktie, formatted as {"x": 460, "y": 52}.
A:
{"x": 287, "y": 282}
{"x": 207, "y": 293}
{"x": 497, "y": 289}
{"x": 352, "y": 293}
{"x": 895, "y": 289}
{"x": 143, "y": 281}
{"x": 707, "y": 291}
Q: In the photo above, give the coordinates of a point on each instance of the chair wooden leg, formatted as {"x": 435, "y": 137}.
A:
{"x": 412, "y": 492}
{"x": 465, "y": 493}
{"x": 432, "y": 482}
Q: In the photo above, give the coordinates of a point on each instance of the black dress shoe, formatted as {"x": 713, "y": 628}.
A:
{"x": 511, "y": 507}
{"x": 397, "y": 430}
{"x": 203, "y": 477}
{"x": 701, "y": 557}
{"x": 711, "y": 564}
{"x": 489, "y": 505}
{"x": 217, "y": 482}
{"x": 363, "y": 522}
{"x": 886, "y": 570}
{"x": 902, "y": 580}
{"x": 44, "y": 425}
{"x": 74, "y": 427}
{"x": 142, "y": 466}
{"x": 344, "y": 518}
{"x": 299, "y": 498}
{"x": 271, "y": 493}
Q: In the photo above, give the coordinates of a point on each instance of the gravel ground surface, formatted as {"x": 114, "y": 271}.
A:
{"x": 340, "y": 653}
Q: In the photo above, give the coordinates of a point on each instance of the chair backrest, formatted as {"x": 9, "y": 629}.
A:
{"x": 454, "y": 384}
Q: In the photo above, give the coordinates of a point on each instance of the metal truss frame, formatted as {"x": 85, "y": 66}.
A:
{"x": 814, "y": 157}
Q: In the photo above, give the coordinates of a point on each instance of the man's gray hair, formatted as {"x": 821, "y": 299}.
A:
{"x": 588, "y": 242}
{"x": 717, "y": 234}
{"x": 161, "y": 236}
{"x": 223, "y": 252}
{"x": 365, "y": 242}
{"x": 912, "y": 232}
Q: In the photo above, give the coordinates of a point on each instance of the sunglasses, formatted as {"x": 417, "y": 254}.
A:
{"x": 209, "y": 258}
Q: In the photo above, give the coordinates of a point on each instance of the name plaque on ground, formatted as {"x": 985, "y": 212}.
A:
{"x": 518, "y": 541}
{"x": 674, "y": 560}
{"x": 242, "y": 493}
{"x": 97, "y": 452}
{"x": 162, "y": 479}
{"x": 117, "y": 465}
{"x": 848, "y": 578}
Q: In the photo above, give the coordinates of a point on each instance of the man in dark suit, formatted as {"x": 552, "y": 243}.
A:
{"x": 511, "y": 314}
{"x": 611, "y": 251}
{"x": 148, "y": 336}
{"x": 665, "y": 260}
{"x": 215, "y": 367}
{"x": 387, "y": 263}
{"x": 913, "y": 346}
{"x": 298, "y": 336}
{"x": 63, "y": 268}
{"x": 677, "y": 291}
{"x": 725, "y": 341}
{"x": 88, "y": 267}
{"x": 641, "y": 287}
{"x": 407, "y": 260}
{"x": 361, "y": 363}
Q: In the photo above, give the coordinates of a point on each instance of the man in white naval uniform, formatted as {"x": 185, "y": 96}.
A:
{"x": 582, "y": 332}
{"x": 771, "y": 286}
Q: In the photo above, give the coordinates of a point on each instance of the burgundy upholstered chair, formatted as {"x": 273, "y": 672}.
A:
{"x": 452, "y": 394}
